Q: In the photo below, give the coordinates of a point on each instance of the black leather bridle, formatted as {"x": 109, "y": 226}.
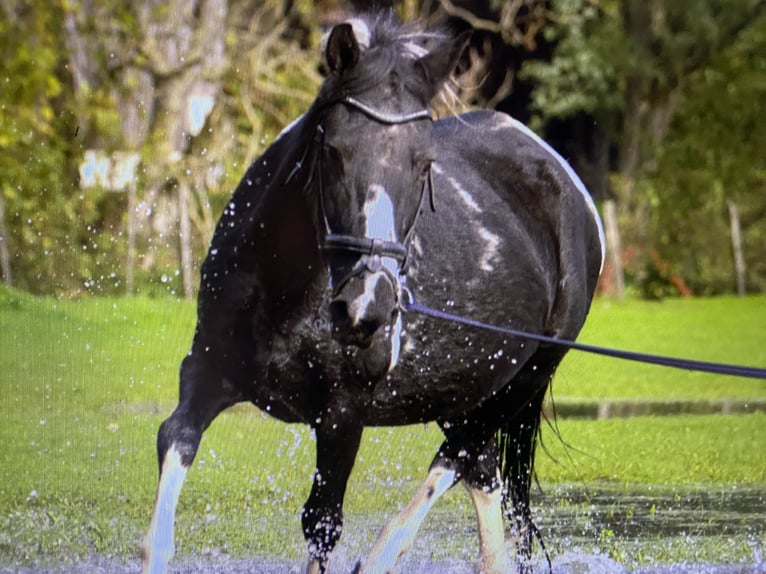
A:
{"x": 373, "y": 246}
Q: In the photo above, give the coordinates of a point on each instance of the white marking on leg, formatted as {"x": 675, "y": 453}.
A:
{"x": 399, "y": 534}
{"x": 158, "y": 544}
{"x": 313, "y": 567}
{"x": 493, "y": 557}
{"x": 517, "y": 125}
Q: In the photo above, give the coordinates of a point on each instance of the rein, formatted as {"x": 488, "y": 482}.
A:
{"x": 410, "y": 305}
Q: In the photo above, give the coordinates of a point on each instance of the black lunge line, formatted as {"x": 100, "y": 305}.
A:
{"x": 687, "y": 364}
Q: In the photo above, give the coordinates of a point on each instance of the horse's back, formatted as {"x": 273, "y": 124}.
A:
{"x": 528, "y": 208}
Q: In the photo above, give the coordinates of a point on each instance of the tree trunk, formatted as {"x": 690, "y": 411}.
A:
{"x": 736, "y": 242}
{"x": 5, "y": 260}
{"x": 185, "y": 239}
{"x": 131, "y": 263}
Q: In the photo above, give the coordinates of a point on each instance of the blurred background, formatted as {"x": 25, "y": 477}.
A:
{"x": 126, "y": 124}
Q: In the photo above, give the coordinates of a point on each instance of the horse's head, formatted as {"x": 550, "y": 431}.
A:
{"x": 374, "y": 161}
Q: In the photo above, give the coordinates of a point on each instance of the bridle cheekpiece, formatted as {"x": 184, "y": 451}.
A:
{"x": 373, "y": 246}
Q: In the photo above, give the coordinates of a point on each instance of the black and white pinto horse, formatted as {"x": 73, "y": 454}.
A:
{"x": 362, "y": 203}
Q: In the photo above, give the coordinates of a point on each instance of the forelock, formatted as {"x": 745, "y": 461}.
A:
{"x": 386, "y": 34}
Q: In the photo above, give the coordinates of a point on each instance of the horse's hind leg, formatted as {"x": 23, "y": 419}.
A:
{"x": 484, "y": 485}
{"x": 518, "y": 441}
{"x": 200, "y": 401}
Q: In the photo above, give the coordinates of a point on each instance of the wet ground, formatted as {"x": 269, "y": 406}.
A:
{"x": 588, "y": 531}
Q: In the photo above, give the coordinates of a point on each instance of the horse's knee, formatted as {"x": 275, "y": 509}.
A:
{"x": 178, "y": 432}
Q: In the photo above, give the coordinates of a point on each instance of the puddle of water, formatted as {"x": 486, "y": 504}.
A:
{"x": 588, "y": 530}
{"x": 575, "y": 512}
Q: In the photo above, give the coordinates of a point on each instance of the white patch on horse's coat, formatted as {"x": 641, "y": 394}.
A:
{"x": 361, "y": 32}
{"x": 399, "y": 534}
{"x": 357, "y": 309}
{"x": 491, "y": 249}
{"x": 491, "y": 240}
{"x": 396, "y": 342}
{"x": 517, "y": 125}
{"x": 462, "y": 193}
{"x": 158, "y": 544}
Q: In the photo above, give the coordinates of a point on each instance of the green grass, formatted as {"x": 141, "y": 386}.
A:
{"x": 723, "y": 329}
{"x": 84, "y": 386}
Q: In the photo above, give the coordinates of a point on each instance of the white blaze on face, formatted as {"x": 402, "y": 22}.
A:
{"x": 357, "y": 309}
{"x": 379, "y": 219}
{"x": 380, "y": 223}
{"x": 379, "y": 214}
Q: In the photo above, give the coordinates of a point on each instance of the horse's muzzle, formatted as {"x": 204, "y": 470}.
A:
{"x": 366, "y": 304}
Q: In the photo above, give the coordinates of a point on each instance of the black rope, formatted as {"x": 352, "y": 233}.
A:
{"x": 687, "y": 364}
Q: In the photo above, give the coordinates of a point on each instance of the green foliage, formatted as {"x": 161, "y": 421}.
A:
{"x": 587, "y": 70}
{"x": 713, "y": 156}
{"x": 61, "y": 239}
{"x": 693, "y": 71}
{"x": 64, "y": 240}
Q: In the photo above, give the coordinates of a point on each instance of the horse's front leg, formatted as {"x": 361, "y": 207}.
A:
{"x": 202, "y": 397}
{"x": 338, "y": 434}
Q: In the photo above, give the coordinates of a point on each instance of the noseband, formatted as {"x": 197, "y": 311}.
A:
{"x": 373, "y": 247}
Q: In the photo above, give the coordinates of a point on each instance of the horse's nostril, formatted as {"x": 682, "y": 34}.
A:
{"x": 339, "y": 313}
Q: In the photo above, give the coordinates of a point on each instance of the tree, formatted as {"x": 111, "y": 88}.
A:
{"x": 713, "y": 157}
{"x": 625, "y": 66}
{"x": 196, "y": 88}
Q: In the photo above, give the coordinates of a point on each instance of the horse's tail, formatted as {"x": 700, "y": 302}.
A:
{"x": 517, "y": 442}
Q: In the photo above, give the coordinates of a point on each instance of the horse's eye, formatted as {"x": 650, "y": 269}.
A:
{"x": 339, "y": 153}
{"x": 422, "y": 163}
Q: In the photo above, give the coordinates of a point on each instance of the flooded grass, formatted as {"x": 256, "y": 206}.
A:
{"x": 84, "y": 386}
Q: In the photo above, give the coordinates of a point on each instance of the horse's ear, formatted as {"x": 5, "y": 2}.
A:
{"x": 342, "y": 51}
{"x": 439, "y": 63}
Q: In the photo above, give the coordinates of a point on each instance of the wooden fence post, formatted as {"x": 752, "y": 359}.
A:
{"x": 736, "y": 243}
{"x": 614, "y": 247}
